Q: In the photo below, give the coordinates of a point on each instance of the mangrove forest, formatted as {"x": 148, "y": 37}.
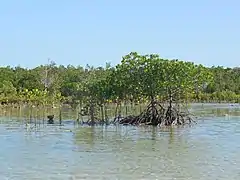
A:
{"x": 163, "y": 86}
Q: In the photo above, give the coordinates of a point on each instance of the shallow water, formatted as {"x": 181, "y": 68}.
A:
{"x": 208, "y": 150}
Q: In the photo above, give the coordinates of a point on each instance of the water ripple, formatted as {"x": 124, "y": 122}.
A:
{"x": 207, "y": 151}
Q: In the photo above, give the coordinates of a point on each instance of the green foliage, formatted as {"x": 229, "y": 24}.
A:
{"x": 136, "y": 78}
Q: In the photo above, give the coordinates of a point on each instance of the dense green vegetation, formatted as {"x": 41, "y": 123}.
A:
{"x": 137, "y": 79}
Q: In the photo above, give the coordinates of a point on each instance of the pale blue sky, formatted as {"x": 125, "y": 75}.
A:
{"x": 78, "y": 32}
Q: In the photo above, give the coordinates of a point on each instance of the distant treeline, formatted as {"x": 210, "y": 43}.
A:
{"x": 134, "y": 79}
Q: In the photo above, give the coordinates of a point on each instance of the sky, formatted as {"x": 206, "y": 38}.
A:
{"x": 80, "y": 32}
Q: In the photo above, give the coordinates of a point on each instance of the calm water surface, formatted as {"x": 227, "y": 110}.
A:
{"x": 208, "y": 150}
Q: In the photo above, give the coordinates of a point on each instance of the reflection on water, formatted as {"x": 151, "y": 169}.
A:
{"x": 207, "y": 151}
{"x": 216, "y": 109}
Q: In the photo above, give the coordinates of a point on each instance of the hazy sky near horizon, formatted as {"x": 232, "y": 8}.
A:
{"x": 78, "y": 32}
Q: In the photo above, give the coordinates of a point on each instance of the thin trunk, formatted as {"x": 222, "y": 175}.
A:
{"x": 152, "y": 106}
{"x": 120, "y": 110}
{"x": 105, "y": 112}
{"x": 116, "y": 110}
{"x": 91, "y": 112}
{"x": 126, "y": 108}
{"x": 102, "y": 112}
{"x": 170, "y": 104}
{"x": 60, "y": 116}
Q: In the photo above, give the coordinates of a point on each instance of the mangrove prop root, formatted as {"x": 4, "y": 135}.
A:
{"x": 157, "y": 114}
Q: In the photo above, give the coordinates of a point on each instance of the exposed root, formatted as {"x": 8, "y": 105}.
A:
{"x": 156, "y": 114}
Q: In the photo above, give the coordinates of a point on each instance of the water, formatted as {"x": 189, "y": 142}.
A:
{"x": 206, "y": 151}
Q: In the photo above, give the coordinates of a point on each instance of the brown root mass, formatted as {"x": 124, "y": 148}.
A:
{"x": 156, "y": 114}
